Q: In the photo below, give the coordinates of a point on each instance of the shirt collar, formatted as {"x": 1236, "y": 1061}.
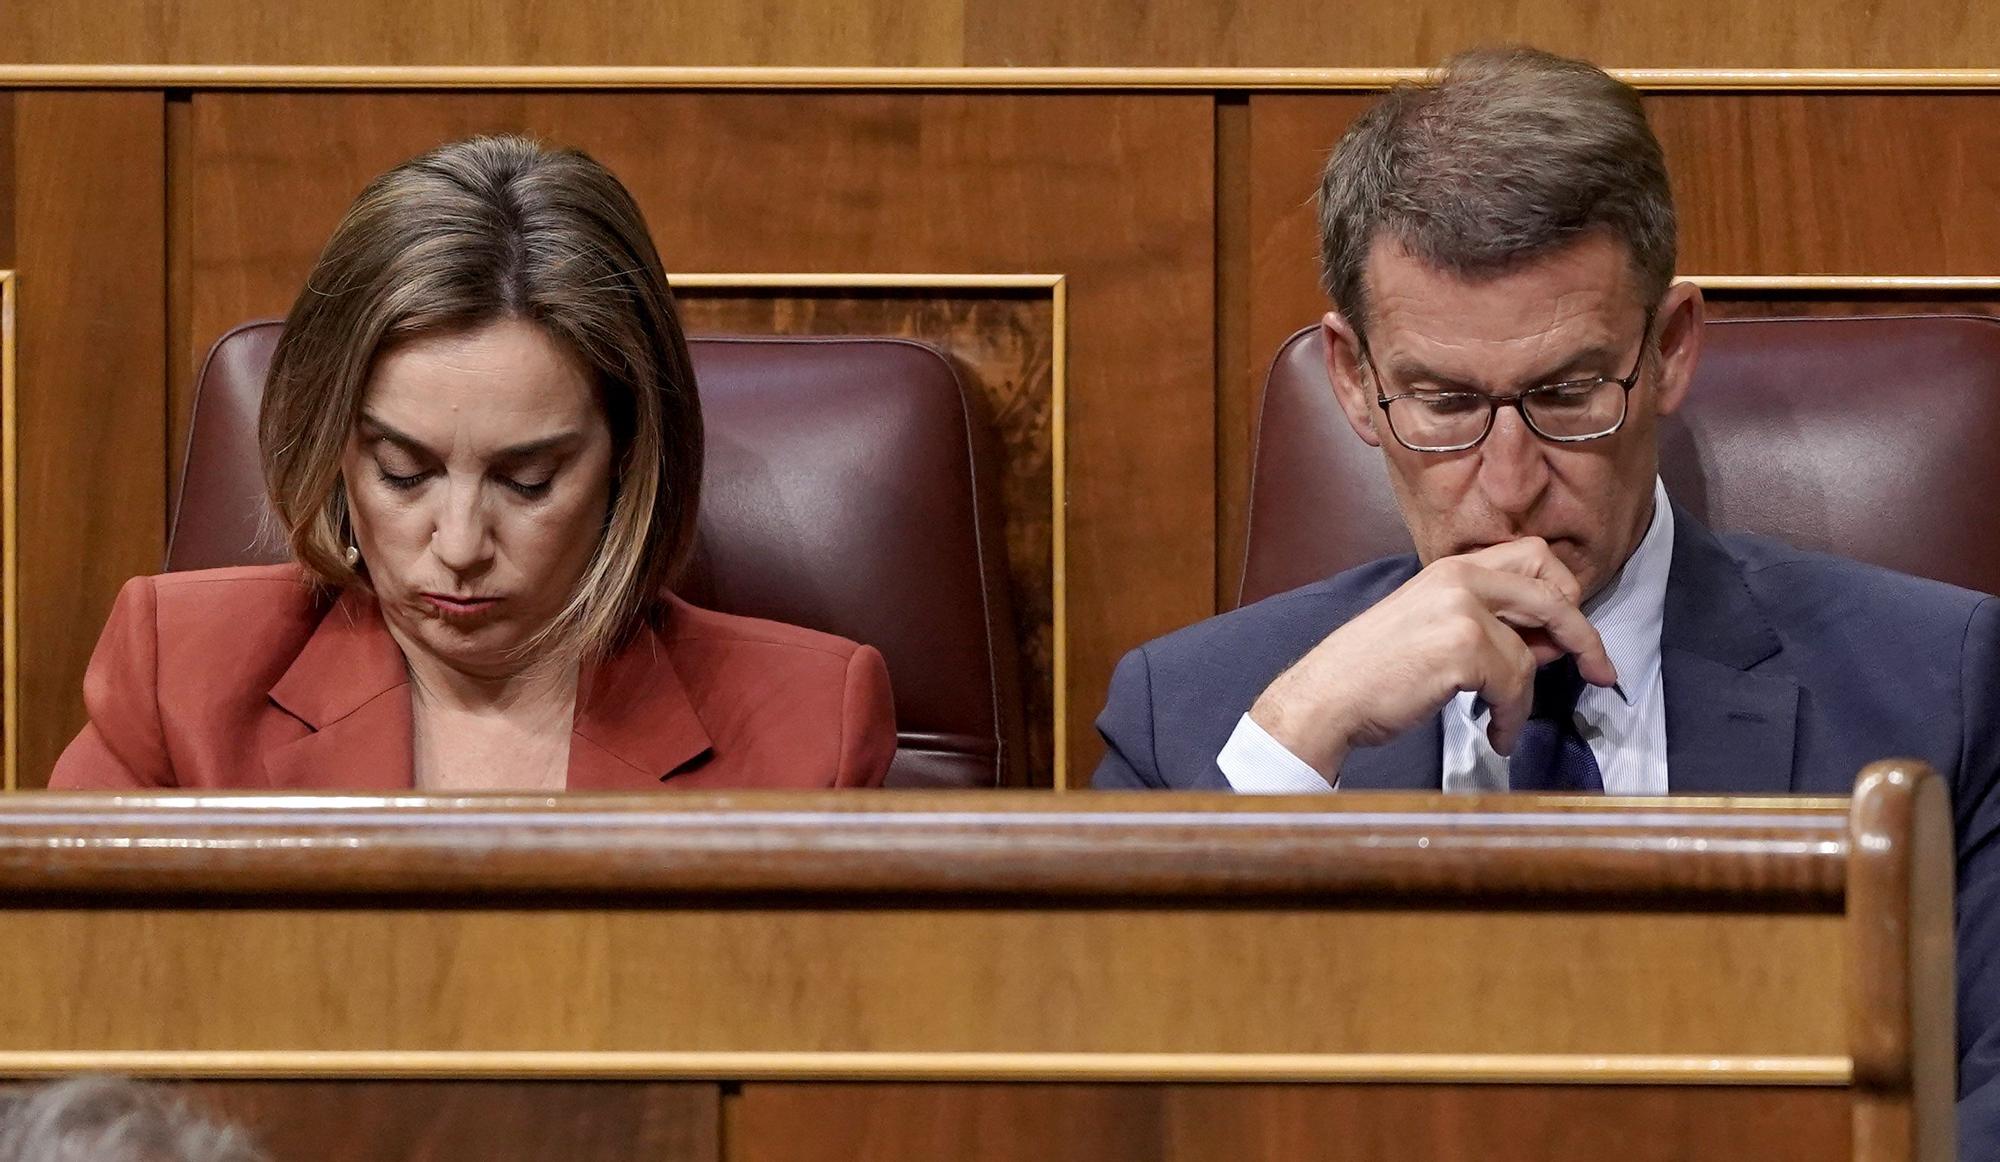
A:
{"x": 1628, "y": 611}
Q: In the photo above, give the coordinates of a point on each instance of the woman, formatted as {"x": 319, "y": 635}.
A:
{"x": 481, "y": 435}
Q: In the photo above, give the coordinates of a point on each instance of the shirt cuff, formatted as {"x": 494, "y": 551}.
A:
{"x": 1256, "y": 763}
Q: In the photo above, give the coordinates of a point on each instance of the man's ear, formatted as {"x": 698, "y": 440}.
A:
{"x": 1682, "y": 315}
{"x": 1343, "y": 369}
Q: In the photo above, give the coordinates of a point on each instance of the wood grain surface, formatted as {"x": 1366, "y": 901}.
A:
{"x": 776, "y": 1122}
{"x": 7, "y": 181}
{"x": 844, "y": 923}
{"x": 89, "y": 247}
{"x": 1789, "y": 304}
{"x": 1895, "y": 33}
{"x": 1536, "y": 944}
{"x": 1787, "y": 854}
{"x": 1851, "y": 183}
{"x": 865, "y": 977}
{"x": 1901, "y": 1022}
{"x": 1298, "y": 33}
{"x": 470, "y": 1121}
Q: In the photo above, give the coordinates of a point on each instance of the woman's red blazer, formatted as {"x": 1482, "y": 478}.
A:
{"x": 248, "y": 678}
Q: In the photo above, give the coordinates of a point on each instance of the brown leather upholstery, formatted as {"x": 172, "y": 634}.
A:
{"x": 848, "y": 488}
{"x": 1868, "y": 437}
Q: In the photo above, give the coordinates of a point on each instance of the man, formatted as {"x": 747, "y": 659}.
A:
{"x": 1499, "y": 246}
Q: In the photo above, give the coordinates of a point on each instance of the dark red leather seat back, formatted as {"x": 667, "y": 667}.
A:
{"x": 848, "y": 488}
{"x": 1867, "y": 437}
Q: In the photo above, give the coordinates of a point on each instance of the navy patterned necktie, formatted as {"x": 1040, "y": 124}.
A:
{"x": 1551, "y": 755}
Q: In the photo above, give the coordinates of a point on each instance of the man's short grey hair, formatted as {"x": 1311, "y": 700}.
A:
{"x": 1504, "y": 156}
{"x": 108, "y": 1119}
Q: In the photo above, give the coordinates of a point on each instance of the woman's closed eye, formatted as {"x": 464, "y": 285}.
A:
{"x": 400, "y": 481}
{"x": 533, "y": 488}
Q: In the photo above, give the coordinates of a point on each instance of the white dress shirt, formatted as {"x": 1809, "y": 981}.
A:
{"x": 1625, "y": 725}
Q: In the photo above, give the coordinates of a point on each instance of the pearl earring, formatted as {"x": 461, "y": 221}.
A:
{"x": 353, "y": 556}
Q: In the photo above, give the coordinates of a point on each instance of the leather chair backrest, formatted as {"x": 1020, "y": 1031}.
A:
{"x": 1870, "y": 437}
{"x": 848, "y": 487}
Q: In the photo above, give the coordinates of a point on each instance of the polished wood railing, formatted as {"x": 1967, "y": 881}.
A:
{"x": 851, "y": 974}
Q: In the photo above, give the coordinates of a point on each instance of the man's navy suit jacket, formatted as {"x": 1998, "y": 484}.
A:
{"x": 1785, "y": 671}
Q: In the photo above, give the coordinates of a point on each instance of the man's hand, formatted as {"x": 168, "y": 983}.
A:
{"x": 1484, "y": 622}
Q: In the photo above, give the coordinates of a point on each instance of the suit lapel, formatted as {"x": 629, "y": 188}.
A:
{"x": 1412, "y": 761}
{"x": 635, "y": 724}
{"x": 349, "y": 686}
{"x": 1732, "y": 706}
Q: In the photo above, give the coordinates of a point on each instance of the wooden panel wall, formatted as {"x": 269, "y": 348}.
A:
{"x": 465, "y": 1120}
{"x": 1255, "y": 1123}
{"x": 88, "y": 242}
{"x": 1767, "y": 33}
{"x": 470, "y": 1121}
{"x": 1310, "y": 34}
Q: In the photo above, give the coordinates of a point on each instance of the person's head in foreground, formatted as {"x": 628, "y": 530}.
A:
{"x": 108, "y": 1119}
{"x": 482, "y": 441}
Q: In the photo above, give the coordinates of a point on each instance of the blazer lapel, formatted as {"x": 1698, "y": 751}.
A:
{"x": 1732, "y": 706}
{"x": 350, "y": 688}
{"x": 635, "y": 725}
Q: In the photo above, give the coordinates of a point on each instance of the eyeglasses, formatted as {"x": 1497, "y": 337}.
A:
{"x": 1570, "y": 412}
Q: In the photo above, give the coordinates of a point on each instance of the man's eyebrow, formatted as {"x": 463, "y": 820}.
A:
{"x": 373, "y": 428}
{"x": 1406, "y": 372}
{"x": 1581, "y": 365}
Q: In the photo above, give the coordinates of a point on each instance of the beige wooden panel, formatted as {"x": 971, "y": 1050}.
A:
{"x": 1853, "y": 183}
{"x": 873, "y": 979}
{"x": 1766, "y": 33}
{"x": 89, "y": 250}
{"x": 1303, "y": 34}
{"x": 467, "y": 32}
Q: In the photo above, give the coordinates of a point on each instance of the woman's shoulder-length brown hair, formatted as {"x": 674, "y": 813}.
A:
{"x": 471, "y": 233}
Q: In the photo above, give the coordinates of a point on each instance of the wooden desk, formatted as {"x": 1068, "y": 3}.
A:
{"x": 1002, "y": 975}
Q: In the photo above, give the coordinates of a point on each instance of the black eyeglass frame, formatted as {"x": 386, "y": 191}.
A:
{"x": 1517, "y": 400}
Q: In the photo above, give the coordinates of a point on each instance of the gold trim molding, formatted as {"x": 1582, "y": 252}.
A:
{"x": 1486, "y": 1068}
{"x": 1845, "y": 283}
{"x": 868, "y": 281}
{"x": 785, "y": 77}
{"x": 1056, "y": 286}
{"x": 10, "y": 546}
